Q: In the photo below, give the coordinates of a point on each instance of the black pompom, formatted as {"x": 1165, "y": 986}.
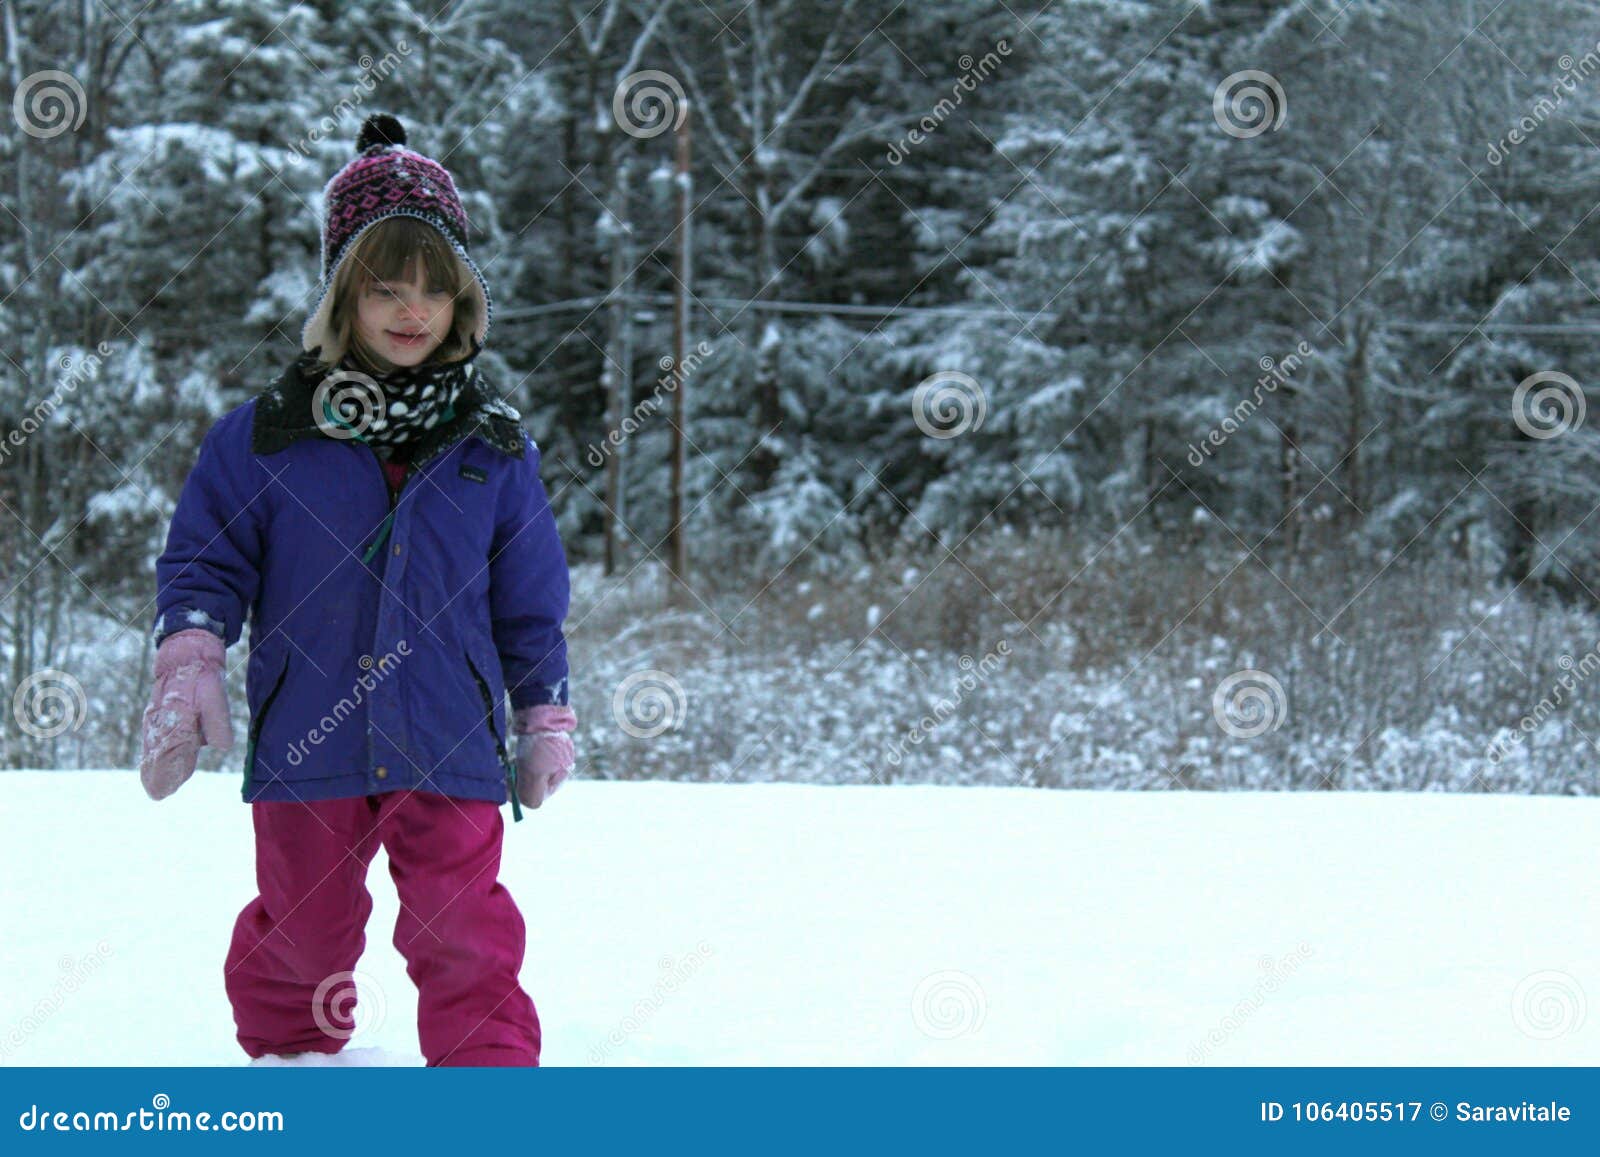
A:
{"x": 379, "y": 129}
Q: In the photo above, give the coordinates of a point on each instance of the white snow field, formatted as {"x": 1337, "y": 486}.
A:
{"x": 689, "y": 924}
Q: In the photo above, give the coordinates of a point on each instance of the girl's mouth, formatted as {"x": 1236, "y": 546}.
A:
{"x": 407, "y": 341}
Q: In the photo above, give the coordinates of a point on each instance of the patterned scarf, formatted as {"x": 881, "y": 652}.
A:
{"x": 397, "y": 407}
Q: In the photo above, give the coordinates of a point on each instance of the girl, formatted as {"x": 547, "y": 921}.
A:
{"x": 379, "y": 515}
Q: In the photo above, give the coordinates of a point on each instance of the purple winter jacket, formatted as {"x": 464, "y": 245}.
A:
{"x": 383, "y": 639}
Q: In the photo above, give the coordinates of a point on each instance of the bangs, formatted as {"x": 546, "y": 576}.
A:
{"x": 391, "y": 250}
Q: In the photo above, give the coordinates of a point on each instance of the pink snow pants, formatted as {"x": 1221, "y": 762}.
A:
{"x": 296, "y": 944}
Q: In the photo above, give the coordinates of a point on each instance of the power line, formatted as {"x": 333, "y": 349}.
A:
{"x": 595, "y": 301}
{"x": 1552, "y": 329}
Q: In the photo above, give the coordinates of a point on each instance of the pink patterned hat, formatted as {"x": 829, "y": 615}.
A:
{"x": 386, "y": 179}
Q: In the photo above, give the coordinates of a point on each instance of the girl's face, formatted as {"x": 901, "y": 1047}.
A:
{"x": 404, "y": 322}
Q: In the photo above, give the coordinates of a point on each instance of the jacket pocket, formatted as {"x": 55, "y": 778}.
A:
{"x": 256, "y": 723}
{"x": 488, "y": 718}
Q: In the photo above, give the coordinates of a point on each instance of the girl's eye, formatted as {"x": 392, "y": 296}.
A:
{"x": 437, "y": 292}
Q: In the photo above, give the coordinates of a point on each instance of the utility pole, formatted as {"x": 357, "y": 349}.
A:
{"x": 677, "y": 546}
{"x": 618, "y": 372}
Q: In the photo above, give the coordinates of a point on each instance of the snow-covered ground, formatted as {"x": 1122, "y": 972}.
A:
{"x": 675, "y": 923}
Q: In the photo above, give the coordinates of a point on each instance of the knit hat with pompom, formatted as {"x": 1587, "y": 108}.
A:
{"x": 385, "y": 179}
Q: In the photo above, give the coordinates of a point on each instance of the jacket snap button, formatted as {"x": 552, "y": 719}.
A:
{"x": 397, "y": 548}
{"x": 382, "y": 772}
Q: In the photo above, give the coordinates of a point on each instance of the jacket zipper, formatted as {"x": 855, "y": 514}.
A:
{"x": 483, "y": 688}
{"x": 394, "y": 501}
{"x": 255, "y": 731}
{"x": 394, "y": 495}
{"x": 499, "y": 744}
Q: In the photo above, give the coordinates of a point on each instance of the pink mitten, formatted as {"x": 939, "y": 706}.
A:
{"x": 188, "y": 709}
{"x": 544, "y": 750}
